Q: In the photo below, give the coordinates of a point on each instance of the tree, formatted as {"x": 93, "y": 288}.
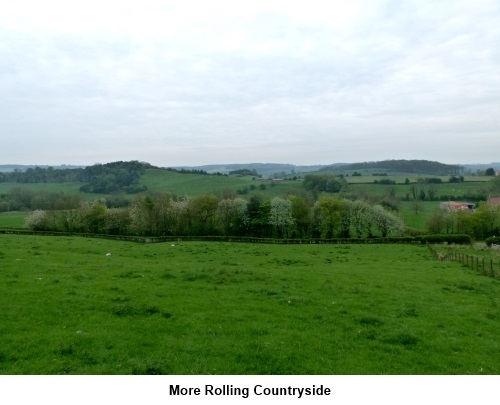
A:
{"x": 116, "y": 222}
{"x": 94, "y": 217}
{"x": 37, "y": 221}
{"x": 140, "y": 218}
{"x": 180, "y": 213}
{"x": 387, "y": 222}
{"x": 280, "y": 217}
{"x": 258, "y": 217}
{"x": 202, "y": 210}
{"x": 436, "y": 221}
{"x": 490, "y": 171}
{"x": 361, "y": 217}
{"x": 331, "y": 217}
{"x": 495, "y": 185}
{"x": 301, "y": 216}
{"x": 417, "y": 205}
{"x": 484, "y": 221}
{"x": 233, "y": 215}
{"x": 324, "y": 182}
{"x": 432, "y": 192}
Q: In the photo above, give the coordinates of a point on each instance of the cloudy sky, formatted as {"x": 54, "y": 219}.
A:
{"x": 197, "y": 82}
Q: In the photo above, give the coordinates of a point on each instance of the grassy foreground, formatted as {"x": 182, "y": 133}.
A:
{"x": 88, "y": 306}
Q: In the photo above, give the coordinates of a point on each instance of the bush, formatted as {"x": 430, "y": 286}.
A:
{"x": 385, "y": 181}
{"x": 37, "y": 220}
{"x": 493, "y": 240}
{"x": 459, "y": 239}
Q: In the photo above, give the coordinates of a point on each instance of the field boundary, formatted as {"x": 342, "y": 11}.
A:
{"x": 243, "y": 239}
{"x": 487, "y": 267}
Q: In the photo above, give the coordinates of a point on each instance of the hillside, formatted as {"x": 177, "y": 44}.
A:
{"x": 23, "y": 168}
{"x": 266, "y": 170}
{"x": 404, "y": 166}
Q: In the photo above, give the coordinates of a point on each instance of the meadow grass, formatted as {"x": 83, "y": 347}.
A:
{"x": 69, "y": 307}
{"x": 405, "y": 190}
{"x": 160, "y": 180}
{"x": 15, "y": 219}
{"x": 417, "y": 218}
{"x": 477, "y": 249}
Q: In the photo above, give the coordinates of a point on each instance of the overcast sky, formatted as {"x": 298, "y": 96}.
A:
{"x": 199, "y": 82}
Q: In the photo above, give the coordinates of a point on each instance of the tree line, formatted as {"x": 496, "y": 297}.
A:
{"x": 99, "y": 178}
{"x": 482, "y": 223}
{"x": 22, "y": 199}
{"x": 207, "y": 215}
{"x": 404, "y": 166}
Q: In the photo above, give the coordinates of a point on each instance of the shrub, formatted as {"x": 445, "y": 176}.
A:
{"x": 460, "y": 239}
{"x": 493, "y": 240}
{"x": 37, "y": 220}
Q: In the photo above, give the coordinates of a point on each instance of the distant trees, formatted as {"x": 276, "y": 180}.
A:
{"x": 480, "y": 224}
{"x": 113, "y": 177}
{"x": 406, "y": 166}
{"x": 245, "y": 172}
{"x": 21, "y": 199}
{"x": 495, "y": 185}
{"x": 41, "y": 175}
{"x": 324, "y": 182}
{"x": 100, "y": 178}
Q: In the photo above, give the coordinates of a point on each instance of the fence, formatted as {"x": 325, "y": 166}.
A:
{"x": 243, "y": 239}
{"x": 424, "y": 239}
{"x": 486, "y": 266}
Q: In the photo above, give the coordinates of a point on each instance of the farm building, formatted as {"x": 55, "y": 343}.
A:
{"x": 494, "y": 200}
{"x": 457, "y": 206}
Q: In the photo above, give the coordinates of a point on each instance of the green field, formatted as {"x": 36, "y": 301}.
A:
{"x": 404, "y": 190}
{"x": 416, "y": 216}
{"x": 12, "y": 219}
{"x": 91, "y": 306}
{"x": 159, "y": 180}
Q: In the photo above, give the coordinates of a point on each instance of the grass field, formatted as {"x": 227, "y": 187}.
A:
{"x": 196, "y": 184}
{"x": 417, "y": 218}
{"x": 402, "y": 190}
{"x": 13, "y": 219}
{"x": 90, "y": 306}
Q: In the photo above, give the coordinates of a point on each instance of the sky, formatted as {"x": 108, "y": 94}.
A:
{"x": 191, "y": 83}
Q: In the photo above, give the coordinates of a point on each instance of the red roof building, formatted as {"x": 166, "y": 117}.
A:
{"x": 494, "y": 201}
{"x": 457, "y": 206}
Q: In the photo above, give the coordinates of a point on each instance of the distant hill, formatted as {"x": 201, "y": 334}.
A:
{"x": 23, "y": 168}
{"x": 404, "y": 166}
{"x": 481, "y": 167}
{"x": 264, "y": 169}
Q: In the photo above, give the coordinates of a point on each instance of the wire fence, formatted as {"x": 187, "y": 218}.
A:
{"x": 486, "y": 266}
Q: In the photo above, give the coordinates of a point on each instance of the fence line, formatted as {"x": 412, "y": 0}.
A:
{"x": 488, "y": 267}
{"x": 243, "y": 239}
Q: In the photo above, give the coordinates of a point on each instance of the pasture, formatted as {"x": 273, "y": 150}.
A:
{"x": 74, "y": 305}
{"x": 14, "y": 219}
